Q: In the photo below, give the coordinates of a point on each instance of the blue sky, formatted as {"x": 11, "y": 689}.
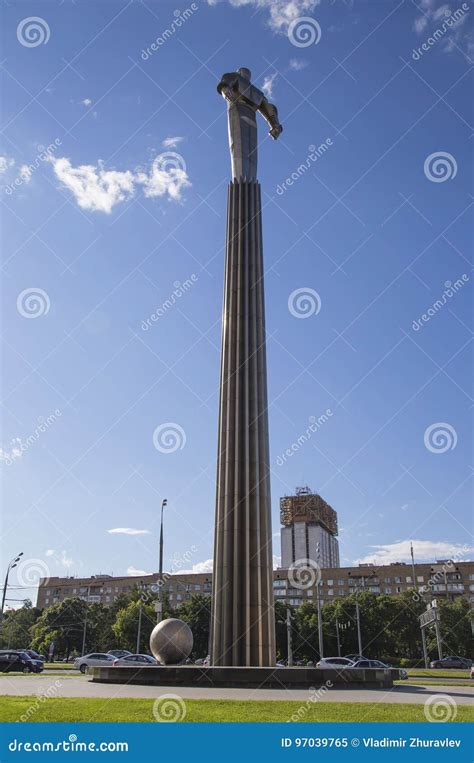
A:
{"x": 128, "y": 206}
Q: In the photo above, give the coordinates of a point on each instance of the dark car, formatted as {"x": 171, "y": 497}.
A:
{"x": 19, "y": 661}
{"x": 451, "y": 662}
{"x": 34, "y": 655}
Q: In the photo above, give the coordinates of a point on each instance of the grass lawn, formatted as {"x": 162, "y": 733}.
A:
{"x": 433, "y": 673}
{"x": 421, "y": 682}
{"x": 141, "y": 710}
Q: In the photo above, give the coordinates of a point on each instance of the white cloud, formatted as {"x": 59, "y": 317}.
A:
{"x": 424, "y": 551}
{"x": 269, "y": 83}
{"x": 297, "y": 64}
{"x": 99, "y": 190}
{"x": 5, "y": 163}
{"x": 172, "y": 142}
{"x": 199, "y": 567}
{"x": 60, "y": 557}
{"x": 25, "y": 173}
{"x": 420, "y": 24}
{"x": 281, "y": 12}
{"x": 435, "y": 15}
{"x": 94, "y": 187}
{"x": 133, "y": 571}
{"x": 12, "y": 452}
{"x": 167, "y": 176}
{"x": 86, "y": 102}
{"x": 127, "y": 531}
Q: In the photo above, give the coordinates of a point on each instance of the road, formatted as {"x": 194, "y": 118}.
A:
{"x": 81, "y": 686}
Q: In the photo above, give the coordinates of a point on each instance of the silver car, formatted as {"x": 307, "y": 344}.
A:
{"x": 94, "y": 660}
{"x": 135, "y": 660}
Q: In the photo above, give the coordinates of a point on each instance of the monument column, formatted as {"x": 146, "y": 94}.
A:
{"x": 243, "y": 627}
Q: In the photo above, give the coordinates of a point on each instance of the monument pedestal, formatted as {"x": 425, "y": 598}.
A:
{"x": 243, "y": 628}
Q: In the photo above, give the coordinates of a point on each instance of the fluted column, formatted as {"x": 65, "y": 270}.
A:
{"x": 243, "y": 629}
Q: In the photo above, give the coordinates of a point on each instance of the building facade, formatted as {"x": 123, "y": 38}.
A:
{"x": 442, "y": 579}
{"x": 309, "y": 529}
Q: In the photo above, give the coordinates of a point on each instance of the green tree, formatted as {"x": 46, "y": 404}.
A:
{"x": 15, "y": 628}
{"x": 63, "y": 624}
{"x": 125, "y": 627}
{"x": 196, "y": 612}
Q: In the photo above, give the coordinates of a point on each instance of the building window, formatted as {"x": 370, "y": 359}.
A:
{"x": 387, "y": 580}
{"x": 388, "y": 590}
{"x": 330, "y": 582}
{"x": 279, "y": 583}
{"x": 408, "y": 578}
{"x": 47, "y": 598}
{"x": 340, "y": 582}
{"x": 178, "y": 597}
{"x": 420, "y": 579}
{"x": 398, "y": 589}
{"x": 74, "y": 590}
{"x": 295, "y": 602}
{"x": 398, "y": 580}
{"x": 197, "y": 587}
{"x": 310, "y": 592}
{"x": 341, "y": 592}
{"x": 330, "y": 592}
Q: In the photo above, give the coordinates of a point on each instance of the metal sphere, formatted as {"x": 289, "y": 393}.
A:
{"x": 171, "y": 641}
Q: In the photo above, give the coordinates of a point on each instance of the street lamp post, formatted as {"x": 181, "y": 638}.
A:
{"x": 318, "y": 604}
{"x": 159, "y": 603}
{"x": 11, "y": 565}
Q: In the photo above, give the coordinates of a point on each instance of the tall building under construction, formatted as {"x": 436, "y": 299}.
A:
{"x": 309, "y": 529}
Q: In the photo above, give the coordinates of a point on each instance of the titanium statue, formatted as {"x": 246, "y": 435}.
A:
{"x": 243, "y": 102}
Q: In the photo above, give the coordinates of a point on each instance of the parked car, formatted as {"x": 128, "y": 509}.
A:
{"x": 451, "y": 662}
{"x": 355, "y": 657}
{"x": 118, "y": 653}
{"x": 34, "y": 655}
{"x": 378, "y": 664}
{"x": 135, "y": 660}
{"x": 472, "y": 671}
{"x": 16, "y": 660}
{"x": 335, "y": 662}
{"x": 207, "y": 660}
{"x": 94, "y": 660}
